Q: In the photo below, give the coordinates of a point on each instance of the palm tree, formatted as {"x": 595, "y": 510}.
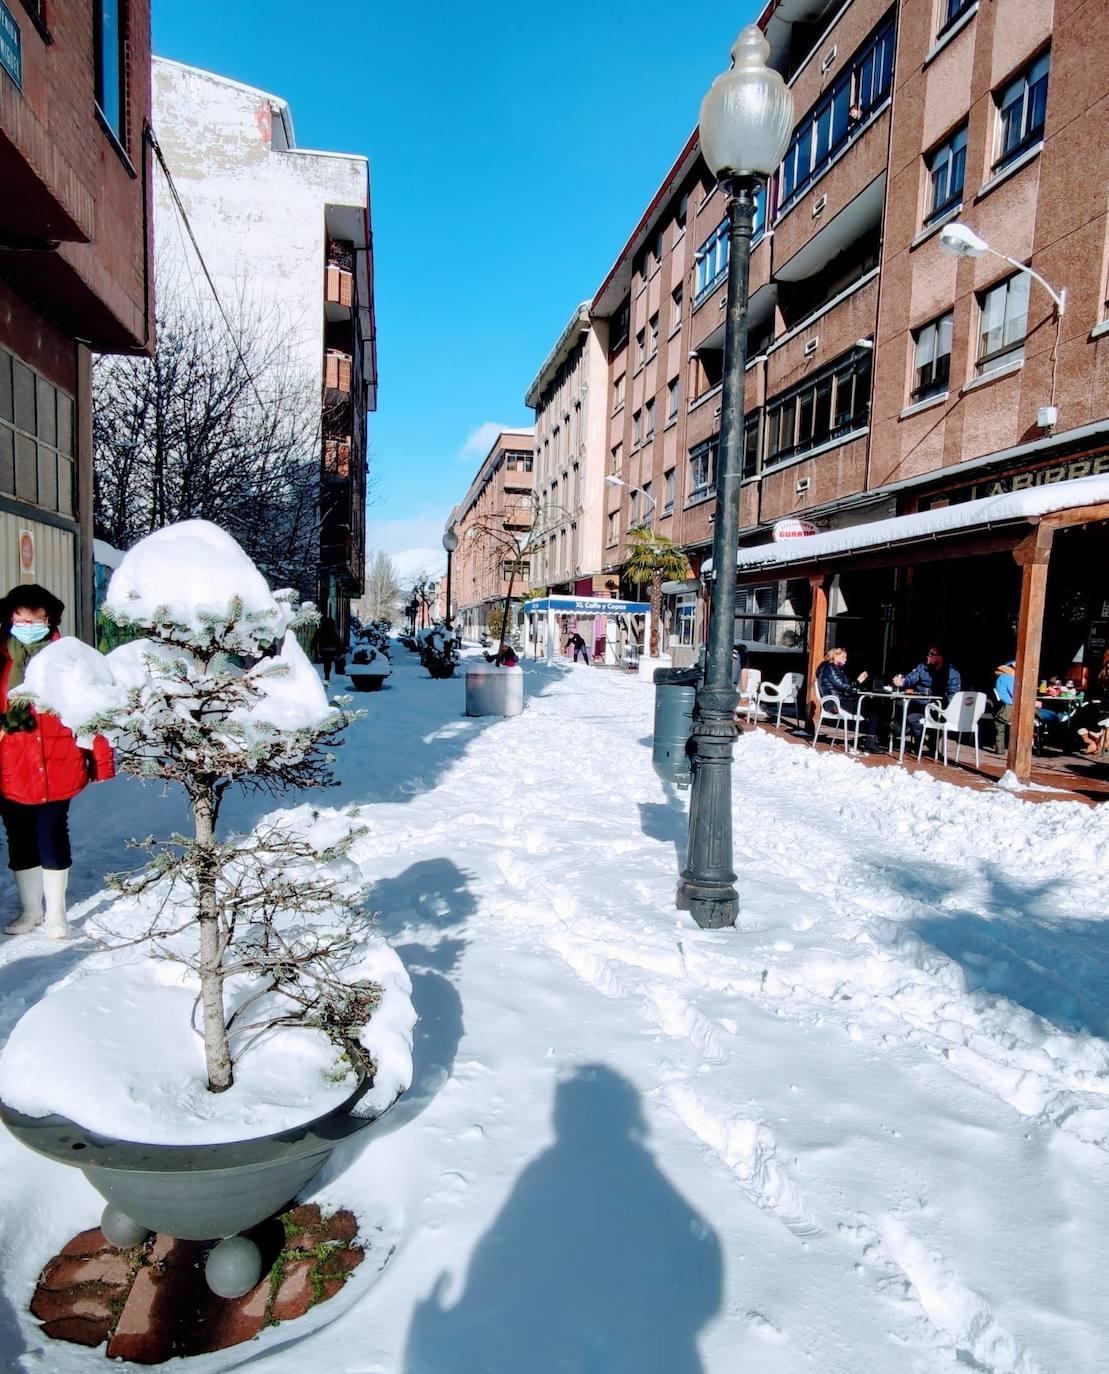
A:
{"x": 654, "y": 559}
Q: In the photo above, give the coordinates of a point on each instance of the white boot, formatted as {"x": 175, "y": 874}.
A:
{"x": 29, "y": 883}
{"x": 54, "y": 883}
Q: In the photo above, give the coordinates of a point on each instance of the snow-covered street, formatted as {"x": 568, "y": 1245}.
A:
{"x": 868, "y": 1129}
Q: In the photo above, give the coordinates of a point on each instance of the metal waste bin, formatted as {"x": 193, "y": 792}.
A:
{"x": 675, "y": 691}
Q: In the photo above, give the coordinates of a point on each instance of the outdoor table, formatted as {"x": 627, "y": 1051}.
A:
{"x": 904, "y": 698}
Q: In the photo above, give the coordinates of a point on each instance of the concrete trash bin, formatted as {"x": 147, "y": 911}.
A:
{"x": 675, "y": 692}
{"x": 493, "y": 691}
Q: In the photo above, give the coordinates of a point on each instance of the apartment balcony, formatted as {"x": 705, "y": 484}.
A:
{"x": 338, "y": 292}
{"x": 336, "y": 459}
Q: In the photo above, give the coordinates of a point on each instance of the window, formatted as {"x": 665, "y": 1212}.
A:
{"x": 842, "y": 111}
{"x": 828, "y": 406}
{"x": 681, "y": 215}
{"x": 36, "y": 438}
{"x": 652, "y": 329}
{"x": 641, "y": 347}
{"x": 618, "y": 391}
{"x": 932, "y": 361}
{"x": 518, "y": 462}
{"x": 617, "y": 459}
{"x": 950, "y": 10}
{"x": 773, "y": 614}
{"x": 648, "y": 500}
{"x": 1003, "y": 322}
{"x": 708, "y": 370}
{"x": 946, "y": 169}
{"x": 656, "y": 249}
{"x": 668, "y": 491}
{"x": 702, "y": 468}
{"x": 650, "y": 408}
{"x": 673, "y": 398}
{"x": 751, "y": 429}
{"x": 637, "y": 428}
{"x": 676, "y": 308}
{"x": 711, "y": 259}
{"x": 110, "y": 38}
{"x": 613, "y": 530}
{"x": 1022, "y": 110}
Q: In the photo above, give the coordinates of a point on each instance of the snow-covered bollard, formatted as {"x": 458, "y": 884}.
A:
{"x": 493, "y": 691}
{"x": 647, "y": 666}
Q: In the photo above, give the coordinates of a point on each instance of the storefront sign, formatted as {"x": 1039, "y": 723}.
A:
{"x": 1006, "y": 482}
{"x": 11, "y": 45}
{"x": 26, "y": 556}
{"x": 785, "y": 530}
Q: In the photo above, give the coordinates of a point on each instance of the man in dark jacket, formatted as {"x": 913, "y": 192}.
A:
{"x": 935, "y": 677}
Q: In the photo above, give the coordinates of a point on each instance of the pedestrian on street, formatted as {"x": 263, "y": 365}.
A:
{"x": 327, "y": 645}
{"x": 42, "y": 768}
{"x": 578, "y": 644}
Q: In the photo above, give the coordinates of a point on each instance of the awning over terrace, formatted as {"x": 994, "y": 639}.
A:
{"x": 1022, "y": 523}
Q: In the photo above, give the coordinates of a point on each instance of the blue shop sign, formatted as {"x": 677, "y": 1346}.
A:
{"x": 11, "y": 45}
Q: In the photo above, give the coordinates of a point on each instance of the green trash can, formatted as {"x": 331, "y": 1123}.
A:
{"x": 675, "y": 692}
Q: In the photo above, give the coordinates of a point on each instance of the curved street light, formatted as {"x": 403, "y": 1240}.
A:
{"x": 961, "y": 241}
{"x": 746, "y": 121}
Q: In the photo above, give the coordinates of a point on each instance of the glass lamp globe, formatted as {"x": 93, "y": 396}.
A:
{"x": 747, "y": 115}
{"x": 450, "y": 539}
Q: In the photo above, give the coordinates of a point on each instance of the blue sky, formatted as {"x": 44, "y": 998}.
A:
{"x": 512, "y": 149}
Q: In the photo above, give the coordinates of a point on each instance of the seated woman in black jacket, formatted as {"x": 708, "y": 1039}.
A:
{"x": 832, "y": 681}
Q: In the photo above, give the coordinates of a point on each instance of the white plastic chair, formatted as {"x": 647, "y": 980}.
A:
{"x": 832, "y": 709}
{"x": 743, "y": 703}
{"x": 775, "y": 694}
{"x": 959, "y": 717}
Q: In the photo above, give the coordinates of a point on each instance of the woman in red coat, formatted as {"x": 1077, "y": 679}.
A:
{"x": 41, "y": 768}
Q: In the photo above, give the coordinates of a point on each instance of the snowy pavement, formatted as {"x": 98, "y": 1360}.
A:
{"x": 866, "y": 1130}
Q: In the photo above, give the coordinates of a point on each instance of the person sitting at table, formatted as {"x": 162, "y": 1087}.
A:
{"x": 833, "y": 681}
{"x": 1052, "y": 718}
{"x": 935, "y": 677}
{"x": 1092, "y": 730}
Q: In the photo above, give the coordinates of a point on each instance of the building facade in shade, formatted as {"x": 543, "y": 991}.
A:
{"x": 286, "y": 235}
{"x": 568, "y": 396}
{"x": 884, "y": 375}
{"x": 493, "y": 521}
{"x": 75, "y": 269}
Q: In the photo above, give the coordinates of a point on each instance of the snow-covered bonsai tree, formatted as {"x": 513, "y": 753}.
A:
{"x": 218, "y": 692}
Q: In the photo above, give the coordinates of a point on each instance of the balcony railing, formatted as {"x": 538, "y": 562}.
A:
{"x": 337, "y": 371}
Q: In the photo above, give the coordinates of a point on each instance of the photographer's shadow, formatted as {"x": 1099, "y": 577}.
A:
{"x": 595, "y": 1261}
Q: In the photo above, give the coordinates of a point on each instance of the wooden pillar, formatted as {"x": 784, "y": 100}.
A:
{"x": 1033, "y": 555}
{"x": 818, "y": 634}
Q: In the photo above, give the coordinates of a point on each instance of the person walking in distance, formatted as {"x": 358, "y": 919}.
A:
{"x": 576, "y": 643}
{"x": 328, "y": 644}
{"x": 42, "y": 768}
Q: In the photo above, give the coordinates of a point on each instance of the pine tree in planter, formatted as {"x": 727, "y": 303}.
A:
{"x": 261, "y": 931}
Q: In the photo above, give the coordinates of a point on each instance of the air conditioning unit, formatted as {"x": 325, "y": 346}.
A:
{"x": 827, "y": 60}
{"x": 811, "y": 345}
{"x": 818, "y": 205}
{"x": 802, "y": 486}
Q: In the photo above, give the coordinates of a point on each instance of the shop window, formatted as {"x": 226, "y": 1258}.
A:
{"x": 773, "y": 614}
{"x": 932, "y": 358}
{"x": 829, "y": 406}
{"x": 946, "y": 171}
{"x": 1003, "y": 322}
{"x": 839, "y": 115}
{"x": 36, "y": 438}
{"x": 1022, "y": 111}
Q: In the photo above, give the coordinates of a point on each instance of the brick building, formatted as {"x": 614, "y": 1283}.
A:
{"x": 493, "y": 522}
{"x": 886, "y": 376}
{"x": 75, "y": 268}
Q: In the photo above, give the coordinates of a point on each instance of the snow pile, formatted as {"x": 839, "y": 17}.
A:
{"x": 292, "y": 697}
{"x": 191, "y": 582}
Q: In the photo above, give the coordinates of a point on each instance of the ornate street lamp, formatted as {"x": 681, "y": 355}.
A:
{"x": 450, "y": 543}
{"x": 746, "y": 122}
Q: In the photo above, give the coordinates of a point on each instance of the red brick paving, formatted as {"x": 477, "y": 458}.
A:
{"x": 1071, "y": 777}
{"x": 151, "y": 1303}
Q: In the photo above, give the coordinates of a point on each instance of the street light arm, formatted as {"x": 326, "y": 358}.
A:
{"x": 1059, "y": 297}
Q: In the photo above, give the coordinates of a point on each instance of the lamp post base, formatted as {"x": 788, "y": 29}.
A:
{"x": 707, "y": 887}
{"x": 711, "y": 908}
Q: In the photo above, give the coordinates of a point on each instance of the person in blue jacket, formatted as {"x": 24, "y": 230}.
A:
{"x": 935, "y": 677}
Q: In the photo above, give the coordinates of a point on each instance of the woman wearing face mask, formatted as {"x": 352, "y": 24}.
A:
{"x": 41, "y": 768}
